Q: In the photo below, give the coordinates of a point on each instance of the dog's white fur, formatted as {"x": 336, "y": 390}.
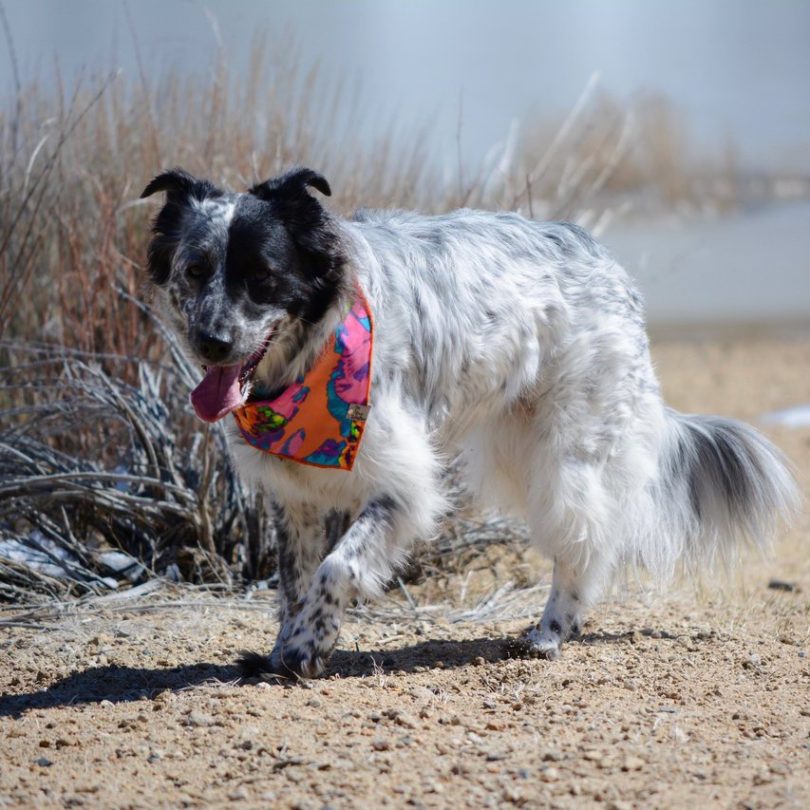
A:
{"x": 522, "y": 346}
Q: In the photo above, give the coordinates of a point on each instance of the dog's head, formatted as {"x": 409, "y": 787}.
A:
{"x": 235, "y": 271}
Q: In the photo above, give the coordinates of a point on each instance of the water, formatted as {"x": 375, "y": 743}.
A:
{"x": 750, "y": 268}
{"x": 796, "y": 417}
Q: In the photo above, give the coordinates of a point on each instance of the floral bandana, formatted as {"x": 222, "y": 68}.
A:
{"x": 320, "y": 418}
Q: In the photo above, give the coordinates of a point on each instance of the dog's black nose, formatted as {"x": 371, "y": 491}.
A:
{"x": 214, "y": 348}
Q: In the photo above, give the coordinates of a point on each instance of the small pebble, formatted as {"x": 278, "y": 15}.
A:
{"x": 240, "y": 794}
{"x": 405, "y": 720}
{"x": 199, "y": 719}
{"x": 782, "y": 585}
{"x": 632, "y": 763}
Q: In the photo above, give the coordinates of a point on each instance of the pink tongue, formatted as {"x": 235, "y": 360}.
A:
{"x": 219, "y": 393}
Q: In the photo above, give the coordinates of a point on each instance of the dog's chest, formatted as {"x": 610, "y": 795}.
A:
{"x": 291, "y": 481}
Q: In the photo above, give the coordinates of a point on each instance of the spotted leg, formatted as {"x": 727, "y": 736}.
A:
{"x": 301, "y": 541}
{"x": 575, "y": 585}
{"x": 362, "y": 561}
{"x": 402, "y": 505}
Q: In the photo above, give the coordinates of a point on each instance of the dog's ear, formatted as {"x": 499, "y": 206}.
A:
{"x": 292, "y": 185}
{"x": 307, "y": 222}
{"x": 179, "y": 184}
{"x": 180, "y": 187}
{"x": 302, "y": 214}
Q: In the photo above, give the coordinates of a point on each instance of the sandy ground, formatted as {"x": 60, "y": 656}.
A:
{"x": 693, "y": 698}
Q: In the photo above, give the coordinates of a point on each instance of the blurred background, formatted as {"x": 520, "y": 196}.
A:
{"x": 678, "y": 131}
{"x": 681, "y": 111}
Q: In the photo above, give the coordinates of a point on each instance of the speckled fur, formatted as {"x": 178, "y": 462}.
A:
{"x": 522, "y": 347}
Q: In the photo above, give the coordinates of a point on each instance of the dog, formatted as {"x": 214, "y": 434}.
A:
{"x": 517, "y": 346}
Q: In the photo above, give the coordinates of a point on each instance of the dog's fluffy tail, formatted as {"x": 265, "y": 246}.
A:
{"x": 721, "y": 486}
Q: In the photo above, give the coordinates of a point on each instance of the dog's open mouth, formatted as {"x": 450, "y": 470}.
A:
{"x": 225, "y": 388}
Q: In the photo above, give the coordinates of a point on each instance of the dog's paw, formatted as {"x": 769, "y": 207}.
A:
{"x": 541, "y": 643}
{"x": 303, "y": 661}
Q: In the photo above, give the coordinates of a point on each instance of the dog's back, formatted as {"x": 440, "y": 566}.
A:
{"x": 525, "y": 345}
{"x": 478, "y": 308}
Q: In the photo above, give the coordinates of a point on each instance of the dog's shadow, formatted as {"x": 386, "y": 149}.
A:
{"x": 120, "y": 684}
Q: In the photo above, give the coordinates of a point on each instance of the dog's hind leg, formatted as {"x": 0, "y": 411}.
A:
{"x": 572, "y": 520}
{"x": 577, "y": 582}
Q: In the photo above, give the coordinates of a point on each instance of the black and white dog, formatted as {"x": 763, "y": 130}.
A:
{"x": 520, "y": 345}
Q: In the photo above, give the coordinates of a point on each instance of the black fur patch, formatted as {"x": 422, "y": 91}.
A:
{"x": 312, "y": 232}
{"x": 281, "y": 247}
{"x": 172, "y": 220}
{"x": 713, "y": 457}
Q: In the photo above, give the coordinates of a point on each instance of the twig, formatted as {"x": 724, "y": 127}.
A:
{"x": 18, "y": 92}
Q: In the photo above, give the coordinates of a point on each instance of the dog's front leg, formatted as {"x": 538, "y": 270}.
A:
{"x": 362, "y": 561}
{"x": 301, "y": 544}
{"x": 404, "y": 504}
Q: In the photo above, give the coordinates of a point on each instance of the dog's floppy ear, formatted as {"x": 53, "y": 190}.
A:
{"x": 305, "y": 219}
{"x": 180, "y": 187}
{"x": 291, "y": 185}
{"x": 179, "y": 184}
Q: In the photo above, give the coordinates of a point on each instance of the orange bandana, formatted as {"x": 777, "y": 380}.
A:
{"x": 320, "y": 418}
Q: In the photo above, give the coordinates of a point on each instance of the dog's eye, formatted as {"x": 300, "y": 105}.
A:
{"x": 195, "y": 271}
{"x": 260, "y": 275}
